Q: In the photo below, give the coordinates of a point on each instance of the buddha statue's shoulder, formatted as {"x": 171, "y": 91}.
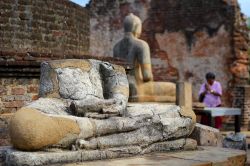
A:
{"x": 126, "y": 44}
{"x": 141, "y": 44}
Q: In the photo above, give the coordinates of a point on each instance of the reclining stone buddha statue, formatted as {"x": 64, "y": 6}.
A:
{"x": 83, "y": 105}
{"x": 136, "y": 54}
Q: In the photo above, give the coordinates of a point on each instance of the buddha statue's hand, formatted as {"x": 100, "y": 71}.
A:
{"x": 81, "y": 107}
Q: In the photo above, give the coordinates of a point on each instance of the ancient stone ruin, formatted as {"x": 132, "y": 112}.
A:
{"x": 83, "y": 108}
{"x": 201, "y": 33}
{"x": 81, "y": 111}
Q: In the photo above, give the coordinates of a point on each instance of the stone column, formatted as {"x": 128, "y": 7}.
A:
{"x": 184, "y": 94}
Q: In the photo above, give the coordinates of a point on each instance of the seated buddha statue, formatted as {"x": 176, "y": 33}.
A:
{"x": 83, "y": 104}
{"x": 136, "y": 54}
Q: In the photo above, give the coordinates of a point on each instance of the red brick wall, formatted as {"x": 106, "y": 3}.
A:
{"x": 51, "y": 26}
{"x": 241, "y": 99}
{"x": 16, "y": 92}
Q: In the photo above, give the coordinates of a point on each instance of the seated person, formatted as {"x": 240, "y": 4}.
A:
{"x": 136, "y": 53}
{"x": 210, "y": 94}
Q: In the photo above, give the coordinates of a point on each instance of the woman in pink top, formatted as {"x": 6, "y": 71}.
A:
{"x": 210, "y": 94}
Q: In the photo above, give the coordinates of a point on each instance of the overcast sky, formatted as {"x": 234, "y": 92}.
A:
{"x": 245, "y": 5}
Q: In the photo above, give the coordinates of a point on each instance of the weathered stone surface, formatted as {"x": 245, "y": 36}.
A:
{"x": 50, "y": 106}
{"x": 203, "y": 156}
{"x": 179, "y": 144}
{"x": 14, "y": 157}
{"x": 116, "y": 87}
{"x": 159, "y": 122}
{"x": 95, "y": 90}
{"x": 121, "y": 124}
{"x": 47, "y": 81}
{"x": 32, "y": 130}
{"x": 143, "y": 136}
{"x": 167, "y": 115}
{"x": 143, "y": 129}
{"x": 206, "y": 136}
{"x": 91, "y": 105}
{"x": 235, "y": 141}
{"x": 81, "y": 82}
{"x": 214, "y": 156}
{"x": 136, "y": 109}
{"x": 83, "y": 79}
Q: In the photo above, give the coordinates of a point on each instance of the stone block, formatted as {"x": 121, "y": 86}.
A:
{"x": 206, "y": 136}
{"x": 18, "y": 91}
{"x": 32, "y": 89}
{"x": 8, "y": 98}
{"x": 8, "y": 110}
{"x": 14, "y": 104}
{"x": 3, "y": 90}
{"x": 235, "y": 141}
{"x": 4, "y": 130}
{"x": 22, "y": 98}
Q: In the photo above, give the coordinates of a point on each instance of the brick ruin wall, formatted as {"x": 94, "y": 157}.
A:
{"x": 32, "y": 31}
{"x": 240, "y": 68}
{"x": 57, "y": 26}
{"x": 187, "y": 39}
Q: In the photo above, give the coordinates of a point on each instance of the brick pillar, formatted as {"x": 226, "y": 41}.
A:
{"x": 241, "y": 99}
{"x": 246, "y": 108}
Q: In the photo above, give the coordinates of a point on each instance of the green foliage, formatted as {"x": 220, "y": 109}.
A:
{"x": 248, "y": 23}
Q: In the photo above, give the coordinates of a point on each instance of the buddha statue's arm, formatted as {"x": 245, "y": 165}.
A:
{"x": 145, "y": 62}
{"x": 147, "y": 72}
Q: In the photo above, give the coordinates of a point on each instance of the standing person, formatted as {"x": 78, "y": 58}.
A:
{"x": 210, "y": 94}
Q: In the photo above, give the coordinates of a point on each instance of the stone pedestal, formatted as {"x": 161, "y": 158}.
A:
{"x": 204, "y": 156}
